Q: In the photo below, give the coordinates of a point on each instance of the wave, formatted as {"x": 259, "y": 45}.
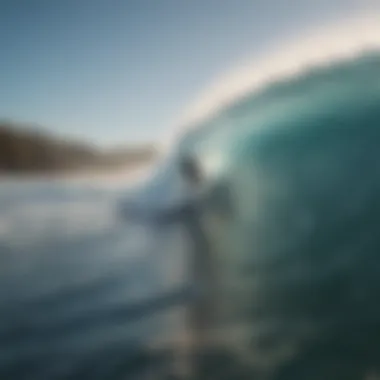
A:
{"x": 299, "y": 257}
{"x": 320, "y": 49}
{"x": 296, "y": 140}
{"x": 317, "y": 47}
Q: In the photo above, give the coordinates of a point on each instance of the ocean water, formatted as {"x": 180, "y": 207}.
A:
{"x": 83, "y": 294}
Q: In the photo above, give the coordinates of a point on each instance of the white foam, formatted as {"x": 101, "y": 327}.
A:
{"x": 329, "y": 44}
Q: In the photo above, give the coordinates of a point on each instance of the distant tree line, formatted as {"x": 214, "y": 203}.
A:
{"x": 29, "y": 150}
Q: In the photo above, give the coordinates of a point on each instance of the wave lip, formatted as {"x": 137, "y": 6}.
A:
{"x": 330, "y": 44}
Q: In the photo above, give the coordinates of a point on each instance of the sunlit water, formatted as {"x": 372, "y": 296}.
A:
{"x": 77, "y": 283}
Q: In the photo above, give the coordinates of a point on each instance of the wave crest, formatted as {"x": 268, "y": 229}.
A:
{"x": 326, "y": 46}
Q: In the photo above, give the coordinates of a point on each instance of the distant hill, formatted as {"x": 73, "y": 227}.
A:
{"x": 27, "y": 150}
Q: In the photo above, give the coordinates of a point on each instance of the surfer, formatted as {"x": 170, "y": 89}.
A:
{"x": 201, "y": 267}
{"x": 201, "y": 314}
{"x": 189, "y": 213}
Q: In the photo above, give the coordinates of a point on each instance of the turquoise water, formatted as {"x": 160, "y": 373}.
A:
{"x": 302, "y": 252}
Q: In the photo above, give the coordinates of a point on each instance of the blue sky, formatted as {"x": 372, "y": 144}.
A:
{"x": 123, "y": 71}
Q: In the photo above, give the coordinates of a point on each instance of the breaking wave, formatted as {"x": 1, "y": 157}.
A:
{"x": 300, "y": 256}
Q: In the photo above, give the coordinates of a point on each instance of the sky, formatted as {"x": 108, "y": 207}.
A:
{"x": 118, "y": 72}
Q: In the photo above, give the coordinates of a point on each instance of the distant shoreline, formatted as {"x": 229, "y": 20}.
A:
{"x": 31, "y": 153}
